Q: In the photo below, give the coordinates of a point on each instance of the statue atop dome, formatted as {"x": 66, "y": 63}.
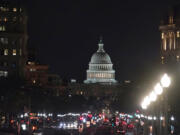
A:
{"x": 101, "y": 49}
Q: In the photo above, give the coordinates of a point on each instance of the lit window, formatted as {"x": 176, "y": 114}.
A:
{"x": 3, "y": 73}
{"x": 32, "y": 69}
{"x": 29, "y": 62}
{"x": 162, "y": 35}
{"x": 170, "y": 19}
{"x": 4, "y": 9}
{"x": 5, "y": 51}
{"x": 2, "y": 28}
{"x": 5, "y": 19}
{"x": 14, "y": 9}
{"x": 178, "y": 34}
{"x": 14, "y": 52}
{"x": 164, "y": 45}
{"x": 4, "y": 40}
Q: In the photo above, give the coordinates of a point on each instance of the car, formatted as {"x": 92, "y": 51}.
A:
{"x": 37, "y": 132}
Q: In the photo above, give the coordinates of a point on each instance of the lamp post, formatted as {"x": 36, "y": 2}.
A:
{"x": 165, "y": 82}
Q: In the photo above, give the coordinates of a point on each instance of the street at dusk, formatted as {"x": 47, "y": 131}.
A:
{"x": 89, "y": 67}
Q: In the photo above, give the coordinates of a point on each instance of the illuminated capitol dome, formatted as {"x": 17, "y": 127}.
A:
{"x": 100, "y": 67}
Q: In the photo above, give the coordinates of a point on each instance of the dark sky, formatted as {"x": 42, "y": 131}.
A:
{"x": 66, "y": 34}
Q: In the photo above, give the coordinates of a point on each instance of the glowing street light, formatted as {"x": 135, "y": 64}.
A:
{"x": 172, "y": 118}
{"x": 165, "y": 81}
{"x": 158, "y": 89}
{"x": 144, "y": 106}
{"x": 153, "y": 96}
{"x": 145, "y": 102}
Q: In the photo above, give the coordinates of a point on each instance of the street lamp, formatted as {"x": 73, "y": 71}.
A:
{"x": 153, "y": 96}
{"x": 158, "y": 89}
{"x": 145, "y": 102}
{"x": 143, "y": 106}
{"x": 165, "y": 81}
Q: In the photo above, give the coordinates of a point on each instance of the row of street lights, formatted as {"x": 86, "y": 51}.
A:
{"x": 164, "y": 83}
{"x": 158, "y": 90}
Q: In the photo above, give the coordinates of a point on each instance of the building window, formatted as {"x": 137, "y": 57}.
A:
{"x": 5, "y": 64}
{"x": 2, "y": 28}
{"x": 4, "y": 40}
{"x": 5, "y": 51}
{"x": 2, "y": 52}
{"x": 14, "y": 9}
{"x": 170, "y": 19}
{"x": 4, "y": 9}
{"x": 14, "y": 64}
{"x": 5, "y": 19}
{"x": 34, "y": 81}
{"x": 162, "y": 35}
{"x": 14, "y": 52}
{"x": 20, "y": 52}
{"x": 32, "y": 69}
{"x": 164, "y": 45}
{"x": 1, "y": 8}
{"x": 14, "y": 19}
{"x": 178, "y": 34}
{"x": 3, "y": 73}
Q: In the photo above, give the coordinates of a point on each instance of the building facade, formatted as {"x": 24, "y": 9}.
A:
{"x": 36, "y": 74}
{"x": 100, "y": 67}
{"x": 13, "y": 40}
{"x": 170, "y": 36}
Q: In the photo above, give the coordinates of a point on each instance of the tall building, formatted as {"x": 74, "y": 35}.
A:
{"x": 100, "y": 67}
{"x": 13, "y": 39}
{"x": 170, "y": 36}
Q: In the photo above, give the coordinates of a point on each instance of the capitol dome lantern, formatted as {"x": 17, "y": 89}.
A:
{"x": 100, "y": 67}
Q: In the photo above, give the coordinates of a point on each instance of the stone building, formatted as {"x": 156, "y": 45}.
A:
{"x": 100, "y": 68}
{"x": 170, "y": 36}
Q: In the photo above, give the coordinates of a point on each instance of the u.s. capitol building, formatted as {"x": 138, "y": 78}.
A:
{"x": 100, "y": 68}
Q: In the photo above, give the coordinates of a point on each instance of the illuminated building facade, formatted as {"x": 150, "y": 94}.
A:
{"x": 13, "y": 40}
{"x": 100, "y": 67}
{"x": 170, "y": 37}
